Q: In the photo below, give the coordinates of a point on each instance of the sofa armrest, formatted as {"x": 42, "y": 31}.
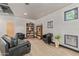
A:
{"x": 3, "y": 47}
{"x": 20, "y": 49}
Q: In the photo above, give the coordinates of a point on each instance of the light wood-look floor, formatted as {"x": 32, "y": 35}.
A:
{"x": 39, "y": 48}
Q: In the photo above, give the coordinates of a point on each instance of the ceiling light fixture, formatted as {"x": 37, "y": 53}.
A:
{"x": 25, "y": 14}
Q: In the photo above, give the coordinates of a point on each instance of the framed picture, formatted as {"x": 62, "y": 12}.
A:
{"x": 71, "y": 14}
{"x": 50, "y": 24}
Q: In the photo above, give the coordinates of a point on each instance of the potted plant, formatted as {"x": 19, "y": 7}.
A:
{"x": 57, "y": 40}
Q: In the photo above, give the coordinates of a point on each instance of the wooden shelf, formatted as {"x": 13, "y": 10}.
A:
{"x": 29, "y": 30}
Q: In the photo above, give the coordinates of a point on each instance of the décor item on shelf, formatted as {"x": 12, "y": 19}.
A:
{"x": 71, "y": 14}
{"x": 30, "y": 30}
{"x": 57, "y": 40}
{"x": 47, "y": 38}
{"x": 50, "y": 24}
{"x": 39, "y": 31}
{"x": 35, "y": 34}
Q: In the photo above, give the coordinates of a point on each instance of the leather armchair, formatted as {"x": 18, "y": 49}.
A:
{"x": 7, "y": 49}
{"x": 47, "y": 38}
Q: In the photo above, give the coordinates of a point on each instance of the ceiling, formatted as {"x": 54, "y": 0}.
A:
{"x": 35, "y": 10}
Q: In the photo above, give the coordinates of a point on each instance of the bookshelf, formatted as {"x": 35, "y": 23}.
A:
{"x": 29, "y": 30}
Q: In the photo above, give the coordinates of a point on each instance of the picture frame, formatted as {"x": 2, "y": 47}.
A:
{"x": 71, "y": 14}
{"x": 50, "y": 24}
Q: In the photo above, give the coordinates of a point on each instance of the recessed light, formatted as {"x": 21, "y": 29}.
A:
{"x": 25, "y": 14}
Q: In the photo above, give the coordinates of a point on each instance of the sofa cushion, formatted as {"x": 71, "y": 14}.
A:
{"x": 14, "y": 42}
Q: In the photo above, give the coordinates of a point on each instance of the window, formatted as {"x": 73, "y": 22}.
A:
{"x": 71, "y": 14}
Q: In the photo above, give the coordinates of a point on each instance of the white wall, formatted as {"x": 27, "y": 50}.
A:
{"x": 59, "y": 25}
{"x": 19, "y": 24}
{"x": 18, "y": 9}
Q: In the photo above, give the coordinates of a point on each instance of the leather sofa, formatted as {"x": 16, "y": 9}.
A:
{"x": 8, "y": 48}
{"x": 47, "y": 38}
{"x": 20, "y": 36}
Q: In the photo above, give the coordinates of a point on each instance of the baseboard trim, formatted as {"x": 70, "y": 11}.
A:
{"x": 69, "y": 48}
{"x": 66, "y": 47}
